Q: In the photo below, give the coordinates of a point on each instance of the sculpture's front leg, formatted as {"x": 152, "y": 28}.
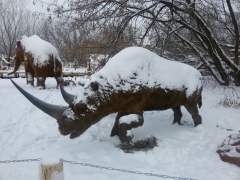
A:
{"x": 115, "y": 129}
{"x": 29, "y": 73}
{"x": 128, "y": 122}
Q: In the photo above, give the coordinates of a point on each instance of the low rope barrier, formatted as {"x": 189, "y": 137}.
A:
{"x": 126, "y": 171}
{"x": 101, "y": 167}
{"x": 23, "y": 160}
{"x": 111, "y": 168}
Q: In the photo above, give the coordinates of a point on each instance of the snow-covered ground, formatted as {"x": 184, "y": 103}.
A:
{"x": 183, "y": 151}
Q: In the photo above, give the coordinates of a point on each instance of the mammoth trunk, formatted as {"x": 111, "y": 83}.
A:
{"x": 16, "y": 65}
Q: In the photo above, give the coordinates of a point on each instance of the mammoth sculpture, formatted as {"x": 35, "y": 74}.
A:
{"x": 133, "y": 81}
{"x": 40, "y": 59}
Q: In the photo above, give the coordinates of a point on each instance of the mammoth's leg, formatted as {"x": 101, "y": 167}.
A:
{"x": 29, "y": 73}
{"x": 30, "y": 77}
{"x": 177, "y": 115}
{"x": 193, "y": 110}
{"x": 41, "y": 82}
{"x": 115, "y": 129}
{"x": 59, "y": 80}
{"x": 127, "y": 123}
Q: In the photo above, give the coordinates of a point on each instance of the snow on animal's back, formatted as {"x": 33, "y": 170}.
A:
{"x": 139, "y": 66}
{"x": 40, "y": 49}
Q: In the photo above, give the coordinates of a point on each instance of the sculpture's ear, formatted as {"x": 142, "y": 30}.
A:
{"x": 94, "y": 86}
{"x": 19, "y": 44}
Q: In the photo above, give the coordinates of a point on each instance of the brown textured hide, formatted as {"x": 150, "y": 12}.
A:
{"x": 53, "y": 68}
{"x": 126, "y": 103}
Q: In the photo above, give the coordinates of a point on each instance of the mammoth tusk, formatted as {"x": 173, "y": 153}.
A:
{"x": 69, "y": 98}
{"x": 54, "y": 111}
{"x": 10, "y": 73}
{"x": 3, "y": 58}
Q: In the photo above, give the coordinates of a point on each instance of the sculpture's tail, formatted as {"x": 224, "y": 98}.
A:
{"x": 200, "y": 101}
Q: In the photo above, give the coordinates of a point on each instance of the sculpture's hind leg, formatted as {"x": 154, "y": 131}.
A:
{"x": 177, "y": 115}
{"x": 193, "y": 110}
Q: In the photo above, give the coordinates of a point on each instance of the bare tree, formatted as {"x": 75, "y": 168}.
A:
{"x": 15, "y": 21}
{"x": 77, "y": 44}
{"x": 206, "y": 29}
{"x": 67, "y": 40}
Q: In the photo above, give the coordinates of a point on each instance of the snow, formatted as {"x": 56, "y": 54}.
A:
{"x": 183, "y": 151}
{"x": 128, "y": 119}
{"x": 69, "y": 114}
{"x": 40, "y": 49}
{"x": 49, "y": 161}
{"x": 129, "y": 133}
{"x": 140, "y": 67}
{"x": 57, "y": 176}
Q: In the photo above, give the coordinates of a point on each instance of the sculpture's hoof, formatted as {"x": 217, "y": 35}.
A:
{"x": 40, "y": 88}
{"x": 127, "y": 138}
{"x": 179, "y": 123}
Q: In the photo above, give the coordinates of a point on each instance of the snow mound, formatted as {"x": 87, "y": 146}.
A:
{"x": 142, "y": 68}
{"x": 40, "y": 49}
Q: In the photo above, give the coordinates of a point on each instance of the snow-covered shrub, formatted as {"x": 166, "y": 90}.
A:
{"x": 231, "y": 93}
{"x": 231, "y": 97}
{"x": 209, "y": 82}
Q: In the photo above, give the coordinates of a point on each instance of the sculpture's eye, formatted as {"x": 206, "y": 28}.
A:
{"x": 80, "y": 108}
{"x": 94, "y": 86}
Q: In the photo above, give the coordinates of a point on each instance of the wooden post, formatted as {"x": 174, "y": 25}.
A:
{"x": 0, "y": 65}
{"x": 51, "y": 169}
{"x": 16, "y": 75}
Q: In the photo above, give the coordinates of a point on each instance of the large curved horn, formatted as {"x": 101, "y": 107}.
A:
{"x": 54, "y": 111}
{"x": 69, "y": 98}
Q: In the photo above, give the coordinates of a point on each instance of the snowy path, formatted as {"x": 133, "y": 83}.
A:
{"x": 183, "y": 151}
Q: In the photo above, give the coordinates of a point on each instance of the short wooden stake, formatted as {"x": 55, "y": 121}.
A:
{"x": 16, "y": 75}
{"x": 51, "y": 170}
